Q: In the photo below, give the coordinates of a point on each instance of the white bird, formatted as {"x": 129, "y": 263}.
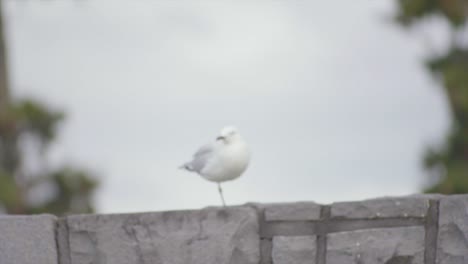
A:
{"x": 222, "y": 160}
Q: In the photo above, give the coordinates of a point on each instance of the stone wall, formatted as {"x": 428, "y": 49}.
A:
{"x": 398, "y": 230}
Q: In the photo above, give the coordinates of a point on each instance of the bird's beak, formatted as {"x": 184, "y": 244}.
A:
{"x": 220, "y": 138}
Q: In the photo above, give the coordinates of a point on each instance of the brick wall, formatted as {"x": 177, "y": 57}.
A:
{"x": 425, "y": 229}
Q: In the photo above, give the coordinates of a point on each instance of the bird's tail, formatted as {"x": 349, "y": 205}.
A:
{"x": 186, "y": 166}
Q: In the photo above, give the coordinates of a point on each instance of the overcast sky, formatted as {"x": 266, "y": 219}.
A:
{"x": 331, "y": 96}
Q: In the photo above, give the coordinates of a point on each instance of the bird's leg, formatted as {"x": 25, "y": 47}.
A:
{"x": 221, "y": 194}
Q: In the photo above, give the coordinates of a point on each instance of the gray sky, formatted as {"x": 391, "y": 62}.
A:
{"x": 331, "y": 96}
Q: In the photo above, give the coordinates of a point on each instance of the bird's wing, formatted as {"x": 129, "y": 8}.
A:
{"x": 205, "y": 150}
{"x": 201, "y": 157}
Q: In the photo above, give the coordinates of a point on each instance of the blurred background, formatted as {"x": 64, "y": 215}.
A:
{"x": 101, "y": 101}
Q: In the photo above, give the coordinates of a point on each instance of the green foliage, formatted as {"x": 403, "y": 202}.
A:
{"x": 448, "y": 164}
{"x": 412, "y": 11}
{"x": 35, "y": 119}
{"x": 72, "y": 188}
{"x": 8, "y": 191}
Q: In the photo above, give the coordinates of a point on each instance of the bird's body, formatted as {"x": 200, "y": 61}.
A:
{"x": 223, "y": 160}
{"x": 228, "y": 164}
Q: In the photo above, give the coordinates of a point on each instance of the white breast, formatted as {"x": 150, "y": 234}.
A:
{"x": 229, "y": 164}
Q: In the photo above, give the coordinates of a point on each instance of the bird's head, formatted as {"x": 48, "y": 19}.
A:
{"x": 228, "y": 134}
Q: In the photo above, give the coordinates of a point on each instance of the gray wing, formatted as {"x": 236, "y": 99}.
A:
{"x": 200, "y": 158}
{"x": 204, "y": 150}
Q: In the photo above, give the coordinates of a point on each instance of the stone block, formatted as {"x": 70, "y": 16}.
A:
{"x": 382, "y": 208}
{"x": 294, "y": 250}
{"x": 28, "y": 240}
{"x": 208, "y": 236}
{"x": 265, "y": 251}
{"x": 452, "y": 244}
{"x": 377, "y": 246}
{"x": 300, "y": 211}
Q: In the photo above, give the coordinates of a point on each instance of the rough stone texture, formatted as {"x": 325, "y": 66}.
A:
{"x": 299, "y": 211}
{"x": 375, "y": 246}
{"x": 206, "y": 236}
{"x": 62, "y": 241}
{"x": 452, "y": 244}
{"x": 386, "y": 230}
{"x": 28, "y": 240}
{"x": 292, "y": 250}
{"x": 265, "y": 251}
{"x": 415, "y": 206}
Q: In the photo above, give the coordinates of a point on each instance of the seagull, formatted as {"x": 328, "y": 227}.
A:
{"x": 224, "y": 159}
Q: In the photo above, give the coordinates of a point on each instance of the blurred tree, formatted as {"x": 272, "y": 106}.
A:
{"x": 448, "y": 165}
{"x": 26, "y": 129}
